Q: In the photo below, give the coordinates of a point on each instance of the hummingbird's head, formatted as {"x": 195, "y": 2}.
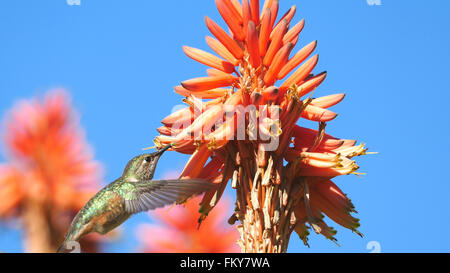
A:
{"x": 142, "y": 167}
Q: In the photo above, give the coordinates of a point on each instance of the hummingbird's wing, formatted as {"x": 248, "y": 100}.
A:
{"x": 154, "y": 194}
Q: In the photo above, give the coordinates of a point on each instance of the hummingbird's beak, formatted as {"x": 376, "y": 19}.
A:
{"x": 160, "y": 152}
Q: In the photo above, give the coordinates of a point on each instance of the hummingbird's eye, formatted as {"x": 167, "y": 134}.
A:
{"x": 148, "y": 159}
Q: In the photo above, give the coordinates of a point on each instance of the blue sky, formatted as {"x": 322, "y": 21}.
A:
{"x": 120, "y": 60}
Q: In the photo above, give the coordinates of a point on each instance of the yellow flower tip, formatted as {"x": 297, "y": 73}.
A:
{"x": 359, "y": 174}
{"x": 371, "y": 153}
{"x": 292, "y": 94}
{"x": 157, "y": 143}
{"x": 190, "y": 103}
{"x": 149, "y": 148}
{"x": 307, "y": 102}
{"x": 197, "y": 143}
{"x": 275, "y": 128}
{"x": 310, "y": 97}
{"x": 293, "y": 88}
{"x": 212, "y": 145}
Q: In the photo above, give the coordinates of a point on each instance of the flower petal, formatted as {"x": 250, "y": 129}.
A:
{"x": 278, "y": 62}
{"x": 328, "y": 101}
{"x": 237, "y": 6}
{"x": 196, "y": 163}
{"x": 293, "y": 33}
{"x": 229, "y": 18}
{"x": 246, "y": 14}
{"x": 274, "y": 12}
{"x": 208, "y": 94}
{"x": 208, "y": 59}
{"x": 301, "y": 73}
{"x": 266, "y": 6}
{"x": 221, "y": 50}
{"x": 270, "y": 93}
{"x": 186, "y": 113}
{"x": 208, "y": 83}
{"x": 276, "y": 43}
{"x": 311, "y": 84}
{"x": 297, "y": 59}
{"x": 223, "y": 37}
{"x": 264, "y": 33}
{"x": 254, "y": 6}
{"x": 253, "y": 45}
{"x": 288, "y": 17}
{"x": 318, "y": 114}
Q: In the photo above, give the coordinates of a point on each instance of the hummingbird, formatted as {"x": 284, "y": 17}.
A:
{"x": 133, "y": 192}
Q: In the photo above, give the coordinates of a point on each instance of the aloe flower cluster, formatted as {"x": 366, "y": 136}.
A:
{"x": 51, "y": 171}
{"x": 241, "y": 125}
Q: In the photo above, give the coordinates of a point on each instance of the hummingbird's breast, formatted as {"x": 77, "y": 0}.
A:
{"x": 104, "y": 212}
{"x": 112, "y": 214}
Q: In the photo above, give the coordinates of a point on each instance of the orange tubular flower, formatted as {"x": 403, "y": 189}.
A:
{"x": 250, "y": 137}
{"x": 51, "y": 174}
{"x": 179, "y": 231}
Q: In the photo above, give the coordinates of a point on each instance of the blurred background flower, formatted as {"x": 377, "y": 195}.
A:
{"x": 51, "y": 172}
{"x": 178, "y": 231}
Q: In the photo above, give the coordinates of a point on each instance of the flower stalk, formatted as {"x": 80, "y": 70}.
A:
{"x": 37, "y": 233}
